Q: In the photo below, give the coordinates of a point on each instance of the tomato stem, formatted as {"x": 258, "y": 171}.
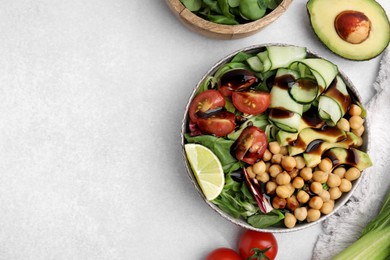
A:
{"x": 259, "y": 254}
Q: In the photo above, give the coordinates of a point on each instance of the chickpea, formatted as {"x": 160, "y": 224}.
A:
{"x": 355, "y": 110}
{"x": 352, "y": 174}
{"x": 275, "y": 169}
{"x": 263, "y": 177}
{"x": 320, "y": 176}
{"x": 355, "y": 122}
{"x": 300, "y": 213}
{"x": 306, "y": 173}
{"x": 325, "y": 165}
{"x": 292, "y": 203}
{"x": 259, "y": 167}
{"x": 316, "y": 187}
{"x": 340, "y": 171}
{"x": 274, "y": 147}
{"x": 313, "y": 215}
{"x": 283, "y": 191}
{"x": 327, "y": 207}
{"x": 278, "y": 203}
{"x": 298, "y": 182}
{"x": 277, "y": 158}
{"x": 283, "y": 150}
{"x": 270, "y": 187}
{"x": 293, "y": 173}
{"x": 300, "y": 162}
{"x": 289, "y": 220}
{"x": 325, "y": 196}
{"x": 333, "y": 180}
{"x": 359, "y": 131}
{"x": 343, "y": 124}
{"x": 345, "y": 185}
{"x": 267, "y": 165}
{"x": 283, "y": 178}
{"x": 334, "y": 193}
{"x": 302, "y": 196}
{"x": 267, "y": 155}
{"x": 250, "y": 172}
{"x": 316, "y": 202}
{"x": 288, "y": 163}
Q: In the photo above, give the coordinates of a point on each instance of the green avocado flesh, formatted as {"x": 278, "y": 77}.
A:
{"x": 323, "y": 13}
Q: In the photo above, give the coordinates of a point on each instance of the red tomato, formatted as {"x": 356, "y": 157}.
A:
{"x": 223, "y": 254}
{"x": 251, "y": 102}
{"x": 221, "y": 123}
{"x": 259, "y": 244}
{"x": 235, "y": 80}
{"x": 205, "y": 101}
{"x": 251, "y": 145}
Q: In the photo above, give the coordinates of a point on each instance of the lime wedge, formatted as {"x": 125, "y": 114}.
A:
{"x": 207, "y": 169}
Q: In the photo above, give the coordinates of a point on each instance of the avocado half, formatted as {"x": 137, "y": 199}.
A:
{"x": 353, "y": 29}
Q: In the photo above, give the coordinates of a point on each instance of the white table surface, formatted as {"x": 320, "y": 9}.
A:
{"x": 91, "y": 100}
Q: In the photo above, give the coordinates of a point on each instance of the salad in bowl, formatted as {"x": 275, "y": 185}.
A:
{"x": 275, "y": 138}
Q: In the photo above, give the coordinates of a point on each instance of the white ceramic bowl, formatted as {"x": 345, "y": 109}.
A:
{"x": 338, "y": 204}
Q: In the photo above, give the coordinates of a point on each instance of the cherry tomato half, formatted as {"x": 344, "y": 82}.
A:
{"x": 251, "y": 102}
{"x": 235, "y": 80}
{"x": 251, "y": 145}
{"x": 205, "y": 101}
{"x": 223, "y": 254}
{"x": 260, "y": 244}
{"x": 220, "y": 123}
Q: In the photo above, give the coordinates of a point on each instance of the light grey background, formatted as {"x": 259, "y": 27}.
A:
{"x": 92, "y": 94}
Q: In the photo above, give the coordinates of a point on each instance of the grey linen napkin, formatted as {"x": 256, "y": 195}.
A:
{"x": 344, "y": 227}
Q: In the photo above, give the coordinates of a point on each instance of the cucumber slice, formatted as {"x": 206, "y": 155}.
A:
{"x": 255, "y": 64}
{"x": 263, "y": 56}
{"x": 280, "y": 97}
{"x": 282, "y": 56}
{"x": 326, "y": 69}
{"x": 328, "y": 106}
{"x": 306, "y": 107}
{"x": 285, "y": 120}
{"x": 304, "y": 90}
{"x": 339, "y": 93}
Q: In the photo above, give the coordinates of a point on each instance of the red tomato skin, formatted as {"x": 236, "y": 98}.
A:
{"x": 251, "y": 145}
{"x": 223, "y": 254}
{"x": 261, "y": 240}
{"x": 205, "y": 101}
{"x": 219, "y": 124}
{"x": 251, "y": 102}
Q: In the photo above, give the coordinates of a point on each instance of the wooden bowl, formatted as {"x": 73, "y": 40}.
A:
{"x": 221, "y": 31}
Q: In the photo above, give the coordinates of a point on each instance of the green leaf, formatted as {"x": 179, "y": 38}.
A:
{"x": 192, "y": 5}
{"x": 225, "y": 8}
{"x": 234, "y": 3}
{"x": 221, "y": 19}
{"x": 213, "y": 5}
{"x": 266, "y": 220}
{"x": 241, "y": 57}
{"x": 251, "y": 9}
{"x": 220, "y": 146}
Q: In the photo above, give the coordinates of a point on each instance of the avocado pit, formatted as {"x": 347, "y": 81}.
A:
{"x": 352, "y": 26}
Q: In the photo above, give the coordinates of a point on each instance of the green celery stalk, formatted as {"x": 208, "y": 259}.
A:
{"x": 373, "y": 245}
{"x": 375, "y": 240}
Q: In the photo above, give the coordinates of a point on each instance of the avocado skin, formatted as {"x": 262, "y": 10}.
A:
{"x": 351, "y": 156}
{"x": 340, "y": 52}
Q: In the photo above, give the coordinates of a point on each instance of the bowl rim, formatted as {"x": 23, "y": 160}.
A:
{"x": 215, "y": 30}
{"x": 240, "y": 222}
